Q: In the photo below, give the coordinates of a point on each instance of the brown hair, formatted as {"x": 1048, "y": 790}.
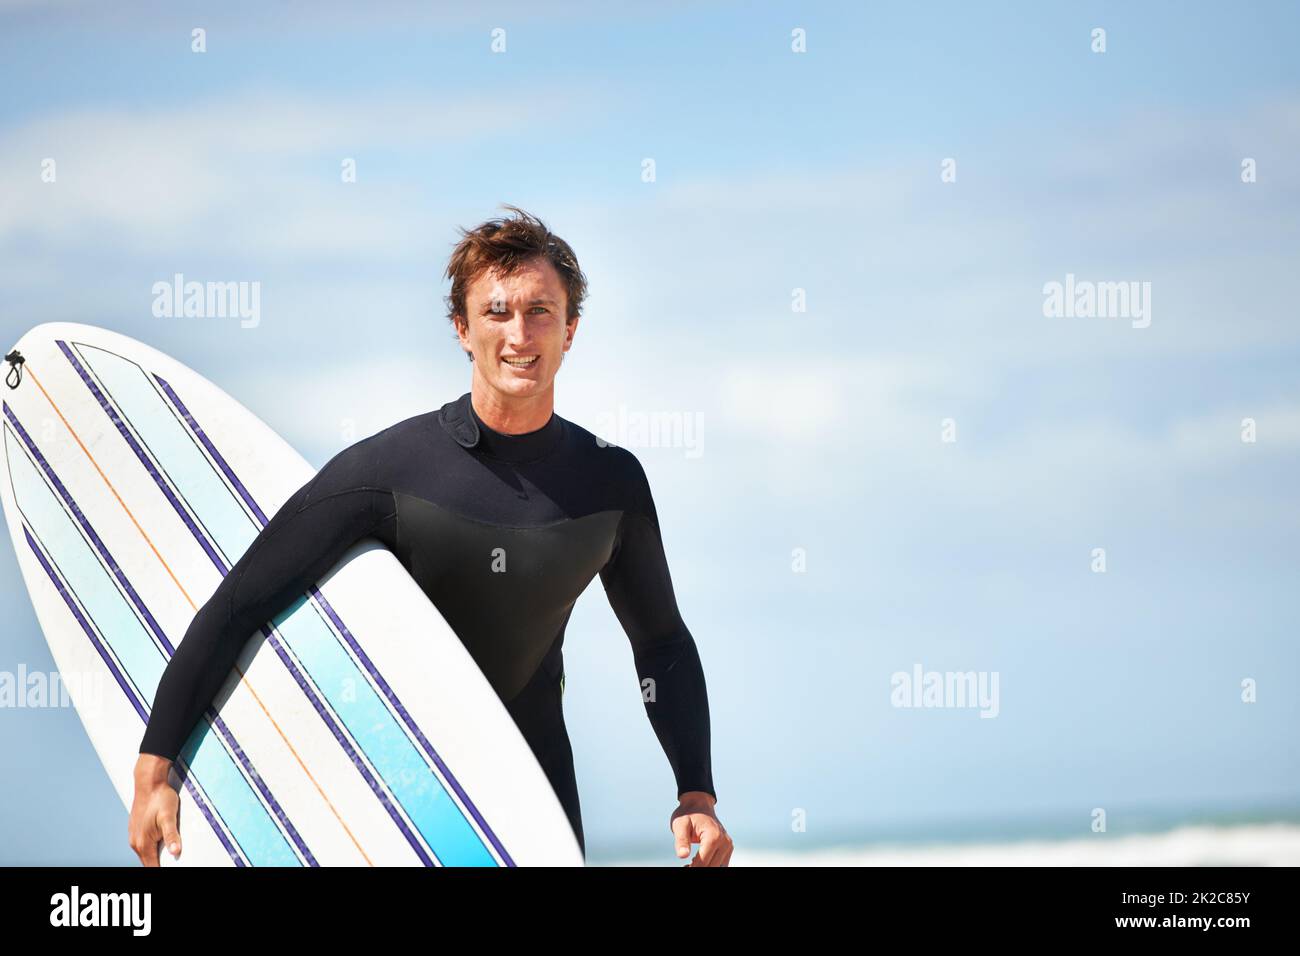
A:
{"x": 504, "y": 245}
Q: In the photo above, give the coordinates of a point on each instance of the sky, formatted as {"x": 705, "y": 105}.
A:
{"x": 837, "y": 274}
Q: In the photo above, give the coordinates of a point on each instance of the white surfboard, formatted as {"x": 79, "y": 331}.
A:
{"x": 355, "y": 729}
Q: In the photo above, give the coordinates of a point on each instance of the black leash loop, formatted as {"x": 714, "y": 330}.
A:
{"x": 15, "y": 376}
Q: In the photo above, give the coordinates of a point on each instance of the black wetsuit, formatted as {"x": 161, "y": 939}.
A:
{"x": 503, "y": 533}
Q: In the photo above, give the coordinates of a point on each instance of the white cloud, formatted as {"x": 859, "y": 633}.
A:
{"x": 248, "y": 174}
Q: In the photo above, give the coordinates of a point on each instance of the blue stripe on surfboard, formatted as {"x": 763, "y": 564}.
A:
{"x": 142, "y": 666}
{"x": 141, "y": 659}
{"x": 420, "y": 795}
{"x": 359, "y": 653}
{"x": 190, "y": 782}
{"x": 357, "y": 650}
{"x": 121, "y": 378}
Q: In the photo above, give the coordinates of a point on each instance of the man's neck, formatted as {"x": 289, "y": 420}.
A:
{"x": 508, "y": 414}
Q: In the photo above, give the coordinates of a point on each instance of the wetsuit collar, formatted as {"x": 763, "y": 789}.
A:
{"x": 461, "y": 421}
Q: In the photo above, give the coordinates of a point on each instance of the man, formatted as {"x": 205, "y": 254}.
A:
{"x": 495, "y": 472}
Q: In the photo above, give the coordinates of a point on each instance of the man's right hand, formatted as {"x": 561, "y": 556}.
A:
{"x": 154, "y": 810}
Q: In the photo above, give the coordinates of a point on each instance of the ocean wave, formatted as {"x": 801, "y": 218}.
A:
{"x": 1265, "y": 844}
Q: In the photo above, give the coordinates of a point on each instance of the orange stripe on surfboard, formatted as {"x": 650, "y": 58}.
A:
{"x": 27, "y": 367}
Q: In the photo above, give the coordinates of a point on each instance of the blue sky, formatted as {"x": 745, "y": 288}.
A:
{"x": 820, "y": 430}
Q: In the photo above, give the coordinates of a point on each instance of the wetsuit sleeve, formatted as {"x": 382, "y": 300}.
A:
{"x": 301, "y": 542}
{"x": 667, "y": 661}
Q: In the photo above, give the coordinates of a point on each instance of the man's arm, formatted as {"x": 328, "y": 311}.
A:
{"x": 304, "y": 539}
{"x": 640, "y": 591}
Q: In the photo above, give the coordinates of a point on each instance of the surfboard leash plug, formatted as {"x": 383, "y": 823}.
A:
{"x": 15, "y": 376}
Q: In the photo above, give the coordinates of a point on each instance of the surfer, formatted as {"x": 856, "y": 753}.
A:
{"x": 503, "y": 512}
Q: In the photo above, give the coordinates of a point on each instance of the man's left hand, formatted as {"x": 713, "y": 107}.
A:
{"x": 695, "y": 822}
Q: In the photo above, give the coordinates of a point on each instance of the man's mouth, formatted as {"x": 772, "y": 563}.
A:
{"x": 519, "y": 361}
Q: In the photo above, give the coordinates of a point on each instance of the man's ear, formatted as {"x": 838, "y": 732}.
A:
{"x": 461, "y": 325}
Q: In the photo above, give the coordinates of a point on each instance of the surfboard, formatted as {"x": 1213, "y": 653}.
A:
{"x": 354, "y": 729}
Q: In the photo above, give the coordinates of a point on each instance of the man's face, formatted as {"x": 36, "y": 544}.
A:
{"x": 518, "y": 317}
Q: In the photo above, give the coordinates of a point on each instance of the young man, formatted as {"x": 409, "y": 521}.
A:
{"x": 496, "y": 470}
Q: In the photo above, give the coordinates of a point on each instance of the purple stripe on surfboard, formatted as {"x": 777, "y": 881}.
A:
{"x": 357, "y": 650}
{"x": 128, "y": 690}
{"x": 111, "y": 411}
{"x": 410, "y": 723}
{"x": 86, "y": 526}
{"x": 290, "y": 664}
{"x": 279, "y": 814}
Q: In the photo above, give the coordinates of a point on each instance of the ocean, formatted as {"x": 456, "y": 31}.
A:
{"x": 1250, "y": 838}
